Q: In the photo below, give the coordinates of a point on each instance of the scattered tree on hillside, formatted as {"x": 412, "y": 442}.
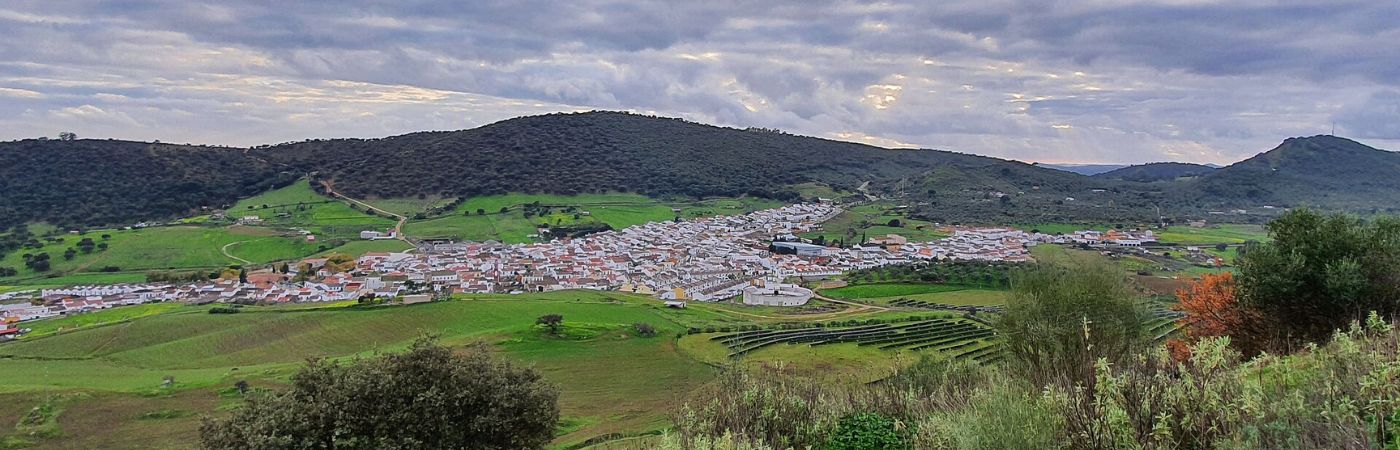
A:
{"x": 427, "y": 397}
{"x": 551, "y": 321}
{"x": 644, "y": 329}
{"x": 67, "y": 136}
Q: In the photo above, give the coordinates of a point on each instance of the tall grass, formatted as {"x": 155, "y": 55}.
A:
{"x": 1343, "y": 395}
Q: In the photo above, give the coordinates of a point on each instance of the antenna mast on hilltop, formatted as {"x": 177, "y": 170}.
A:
{"x": 1334, "y": 128}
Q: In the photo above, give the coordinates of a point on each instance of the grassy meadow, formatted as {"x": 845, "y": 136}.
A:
{"x": 872, "y": 220}
{"x": 618, "y": 210}
{"x": 611, "y": 380}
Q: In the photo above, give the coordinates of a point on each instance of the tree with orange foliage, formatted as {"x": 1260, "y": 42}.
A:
{"x": 1212, "y": 309}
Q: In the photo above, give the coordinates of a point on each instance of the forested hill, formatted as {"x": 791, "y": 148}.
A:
{"x": 1159, "y": 171}
{"x": 599, "y": 151}
{"x": 1322, "y": 171}
{"x": 95, "y": 182}
{"x": 105, "y": 182}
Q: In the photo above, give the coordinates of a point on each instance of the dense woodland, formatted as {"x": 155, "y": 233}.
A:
{"x": 84, "y": 182}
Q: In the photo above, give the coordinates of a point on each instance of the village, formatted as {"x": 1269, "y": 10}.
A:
{"x": 755, "y": 256}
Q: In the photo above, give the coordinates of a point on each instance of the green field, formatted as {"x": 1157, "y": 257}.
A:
{"x": 611, "y": 380}
{"x": 1214, "y": 234}
{"x": 874, "y": 290}
{"x": 872, "y": 220}
{"x": 131, "y": 253}
{"x": 617, "y": 210}
{"x": 297, "y": 206}
{"x": 157, "y": 248}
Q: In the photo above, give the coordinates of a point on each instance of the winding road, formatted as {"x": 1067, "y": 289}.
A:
{"x": 398, "y": 227}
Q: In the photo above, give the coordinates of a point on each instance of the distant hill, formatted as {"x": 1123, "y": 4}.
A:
{"x": 1159, "y": 171}
{"x": 107, "y": 182}
{"x": 1321, "y": 171}
{"x": 596, "y": 152}
{"x": 1083, "y": 169}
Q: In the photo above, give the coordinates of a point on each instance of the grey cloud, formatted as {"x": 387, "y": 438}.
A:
{"x": 1025, "y": 79}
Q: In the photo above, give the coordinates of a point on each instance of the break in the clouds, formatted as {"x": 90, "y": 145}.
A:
{"x": 1056, "y": 81}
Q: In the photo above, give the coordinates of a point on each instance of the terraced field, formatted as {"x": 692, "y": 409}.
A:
{"x": 957, "y": 338}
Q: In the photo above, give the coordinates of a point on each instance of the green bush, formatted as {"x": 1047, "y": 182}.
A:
{"x": 866, "y": 431}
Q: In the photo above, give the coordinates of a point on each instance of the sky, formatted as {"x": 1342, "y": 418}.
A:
{"x": 1083, "y": 81}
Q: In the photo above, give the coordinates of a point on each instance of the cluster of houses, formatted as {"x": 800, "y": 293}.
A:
{"x": 702, "y": 260}
{"x": 1114, "y": 238}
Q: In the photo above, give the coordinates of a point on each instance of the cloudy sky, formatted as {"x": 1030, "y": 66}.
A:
{"x": 1077, "y": 81}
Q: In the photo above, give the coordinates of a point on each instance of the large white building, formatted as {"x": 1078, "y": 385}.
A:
{"x": 771, "y": 293}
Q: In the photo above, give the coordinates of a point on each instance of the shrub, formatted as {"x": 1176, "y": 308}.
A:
{"x": 866, "y": 431}
{"x": 1064, "y": 314}
{"x": 427, "y": 397}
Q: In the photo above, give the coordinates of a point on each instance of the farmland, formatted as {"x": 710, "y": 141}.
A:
{"x": 504, "y": 217}
{"x": 871, "y": 220}
{"x": 611, "y": 380}
{"x": 158, "y": 248}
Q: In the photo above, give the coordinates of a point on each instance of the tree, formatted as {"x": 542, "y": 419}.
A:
{"x": 242, "y": 275}
{"x": 1063, "y": 314}
{"x": 504, "y": 210}
{"x": 480, "y": 211}
{"x": 644, "y": 329}
{"x": 67, "y": 136}
{"x": 69, "y": 253}
{"x": 427, "y": 397}
{"x": 551, "y": 321}
{"x": 1213, "y": 309}
{"x": 1319, "y": 273}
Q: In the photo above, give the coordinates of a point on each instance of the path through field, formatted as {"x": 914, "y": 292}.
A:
{"x": 224, "y": 250}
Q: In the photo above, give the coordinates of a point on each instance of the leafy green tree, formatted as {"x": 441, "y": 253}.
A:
{"x": 551, "y": 321}
{"x": 429, "y": 397}
{"x": 1320, "y": 272}
{"x": 1065, "y": 313}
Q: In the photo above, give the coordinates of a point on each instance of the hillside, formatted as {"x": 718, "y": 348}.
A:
{"x": 1321, "y": 171}
{"x": 1159, "y": 171}
{"x": 85, "y": 182}
{"x": 598, "y": 152}
{"x": 1082, "y": 169}
{"x": 104, "y": 182}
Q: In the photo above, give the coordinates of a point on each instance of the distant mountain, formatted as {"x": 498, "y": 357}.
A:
{"x": 1322, "y": 171}
{"x": 1083, "y": 169}
{"x": 1159, "y": 171}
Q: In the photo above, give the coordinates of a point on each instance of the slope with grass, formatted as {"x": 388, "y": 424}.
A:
{"x": 611, "y": 380}
{"x": 503, "y": 217}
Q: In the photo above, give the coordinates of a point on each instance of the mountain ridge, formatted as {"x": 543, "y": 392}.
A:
{"x": 572, "y": 153}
